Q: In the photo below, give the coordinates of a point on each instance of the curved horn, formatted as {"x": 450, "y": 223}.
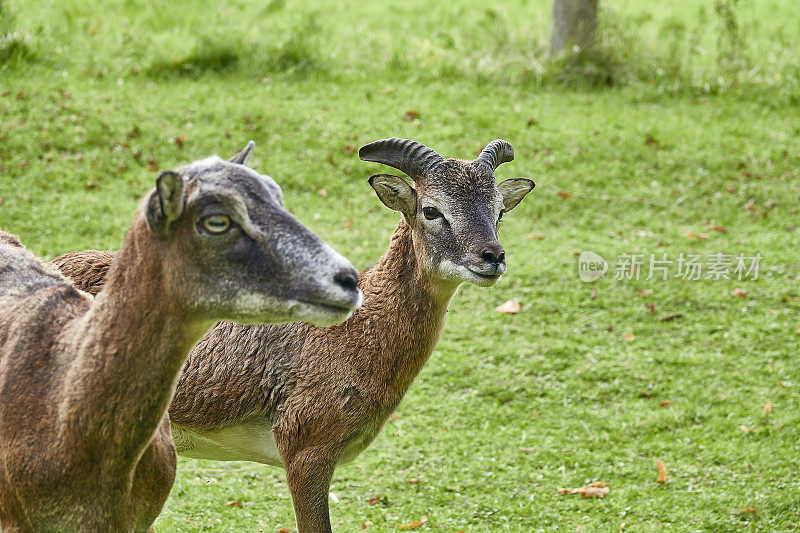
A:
{"x": 411, "y": 157}
{"x": 496, "y": 153}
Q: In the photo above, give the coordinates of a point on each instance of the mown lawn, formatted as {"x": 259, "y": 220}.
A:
{"x": 694, "y": 150}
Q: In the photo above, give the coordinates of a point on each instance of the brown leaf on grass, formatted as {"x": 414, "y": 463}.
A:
{"x": 731, "y": 189}
{"x": 411, "y": 115}
{"x": 661, "y": 471}
{"x": 415, "y": 524}
{"x": 719, "y": 229}
{"x": 284, "y": 530}
{"x": 739, "y": 293}
{"x": 750, "y": 510}
{"x": 598, "y": 489}
{"x": 696, "y": 236}
{"x": 526, "y": 451}
{"x": 365, "y": 525}
{"x": 644, "y": 394}
{"x": 179, "y": 140}
{"x": 667, "y": 318}
{"x": 534, "y": 237}
{"x": 564, "y": 195}
{"x": 650, "y": 140}
{"x": 511, "y": 307}
{"x": 323, "y": 193}
{"x": 768, "y": 407}
{"x": 796, "y": 331}
{"x": 152, "y": 164}
{"x": 234, "y": 503}
{"x": 331, "y": 161}
{"x": 645, "y": 292}
{"x": 629, "y": 337}
{"x": 651, "y": 307}
{"x": 414, "y": 480}
{"x": 349, "y": 149}
{"x": 375, "y": 499}
{"x": 594, "y": 293}
{"x": 664, "y": 403}
{"x": 388, "y": 90}
{"x": 532, "y": 122}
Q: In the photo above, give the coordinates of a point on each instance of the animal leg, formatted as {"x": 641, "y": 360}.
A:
{"x": 309, "y": 476}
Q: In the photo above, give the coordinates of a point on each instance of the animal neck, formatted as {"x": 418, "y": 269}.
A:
{"x": 411, "y": 306}
{"x": 133, "y": 342}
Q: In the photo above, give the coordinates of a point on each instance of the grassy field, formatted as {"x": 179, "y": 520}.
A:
{"x": 677, "y": 135}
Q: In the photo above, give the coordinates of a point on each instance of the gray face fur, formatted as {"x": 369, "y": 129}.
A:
{"x": 454, "y": 209}
{"x": 250, "y": 259}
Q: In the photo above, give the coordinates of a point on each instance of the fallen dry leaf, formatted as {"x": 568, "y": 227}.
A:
{"x": 411, "y": 115}
{"x": 644, "y": 394}
{"x": 750, "y": 510}
{"x": 645, "y": 292}
{"x": 629, "y": 337}
{"x": 650, "y": 140}
{"x": 414, "y": 481}
{"x": 664, "y": 403}
{"x": 696, "y": 236}
{"x": 661, "y": 471}
{"x": 719, "y": 229}
{"x": 534, "y": 237}
{"x": 796, "y": 331}
{"x": 730, "y": 189}
{"x": 598, "y": 489}
{"x": 667, "y": 318}
{"x": 152, "y": 164}
{"x": 388, "y": 90}
{"x": 284, "y": 530}
{"x": 768, "y": 407}
{"x": 179, "y": 140}
{"x": 739, "y": 293}
{"x": 526, "y": 450}
{"x": 234, "y": 503}
{"x": 375, "y": 499}
{"x": 564, "y": 195}
{"x": 416, "y": 524}
{"x": 651, "y": 307}
{"x": 349, "y": 149}
{"x": 511, "y": 307}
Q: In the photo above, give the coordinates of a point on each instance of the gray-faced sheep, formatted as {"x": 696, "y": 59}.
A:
{"x": 308, "y": 398}
{"x": 85, "y": 381}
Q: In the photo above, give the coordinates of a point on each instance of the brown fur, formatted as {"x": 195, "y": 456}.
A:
{"x": 85, "y": 382}
{"x": 71, "y": 461}
{"x": 325, "y": 393}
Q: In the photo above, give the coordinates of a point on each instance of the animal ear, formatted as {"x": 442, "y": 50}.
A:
{"x": 514, "y": 190}
{"x": 166, "y": 203}
{"x": 244, "y": 156}
{"x": 395, "y": 193}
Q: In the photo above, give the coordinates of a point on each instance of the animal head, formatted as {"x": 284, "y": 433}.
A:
{"x": 232, "y": 251}
{"x": 454, "y": 207}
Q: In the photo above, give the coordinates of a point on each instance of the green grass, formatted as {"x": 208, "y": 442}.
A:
{"x": 93, "y": 97}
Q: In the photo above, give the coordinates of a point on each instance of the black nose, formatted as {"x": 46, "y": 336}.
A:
{"x": 493, "y": 254}
{"x": 347, "y": 279}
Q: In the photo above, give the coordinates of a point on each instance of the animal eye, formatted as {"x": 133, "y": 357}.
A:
{"x": 216, "y": 223}
{"x": 431, "y": 213}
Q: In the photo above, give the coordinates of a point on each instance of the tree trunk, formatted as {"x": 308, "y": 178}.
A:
{"x": 574, "y": 23}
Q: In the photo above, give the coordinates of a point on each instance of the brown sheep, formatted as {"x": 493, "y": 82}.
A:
{"x": 308, "y": 398}
{"x": 85, "y": 381}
